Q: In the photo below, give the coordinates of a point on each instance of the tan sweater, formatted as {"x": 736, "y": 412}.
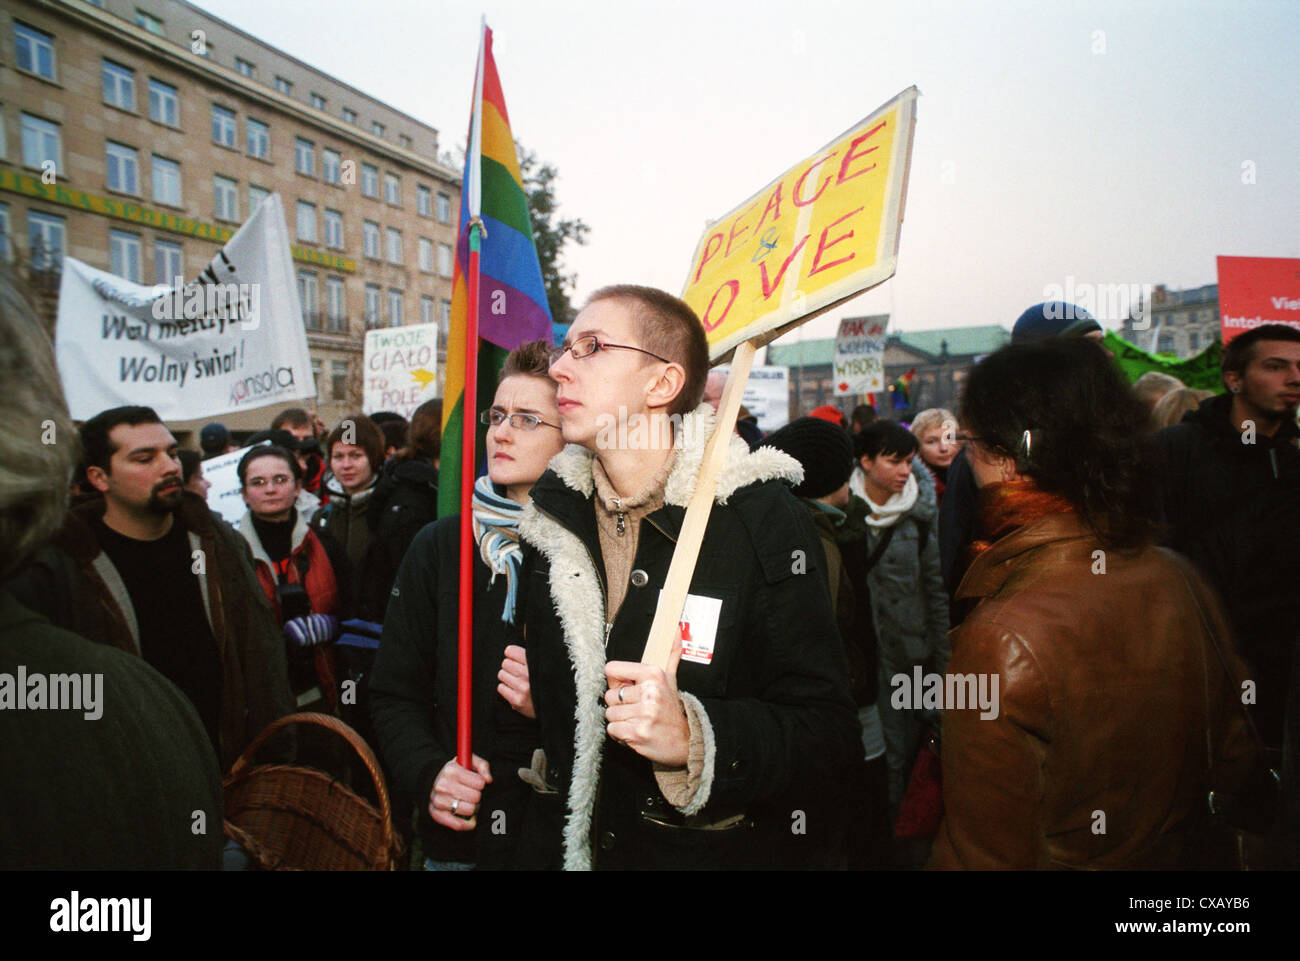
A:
{"x": 618, "y": 522}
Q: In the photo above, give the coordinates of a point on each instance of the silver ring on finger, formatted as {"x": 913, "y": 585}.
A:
{"x": 455, "y": 803}
{"x": 620, "y": 695}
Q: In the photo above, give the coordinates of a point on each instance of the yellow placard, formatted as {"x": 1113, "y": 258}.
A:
{"x": 824, "y": 230}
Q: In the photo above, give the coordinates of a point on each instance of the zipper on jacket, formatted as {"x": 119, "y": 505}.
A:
{"x": 600, "y": 574}
{"x": 622, "y": 517}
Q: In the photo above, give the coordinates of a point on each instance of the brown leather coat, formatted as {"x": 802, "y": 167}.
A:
{"x": 1098, "y": 755}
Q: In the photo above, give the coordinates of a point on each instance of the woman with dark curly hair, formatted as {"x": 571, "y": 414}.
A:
{"x": 1109, "y": 659}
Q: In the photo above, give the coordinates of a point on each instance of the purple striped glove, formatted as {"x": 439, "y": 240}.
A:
{"x": 311, "y": 630}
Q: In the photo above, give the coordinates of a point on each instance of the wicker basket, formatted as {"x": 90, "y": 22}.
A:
{"x": 295, "y": 818}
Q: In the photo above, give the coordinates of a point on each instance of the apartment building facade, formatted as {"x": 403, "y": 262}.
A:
{"x": 1180, "y": 323}
{"x": 137, "y": 135}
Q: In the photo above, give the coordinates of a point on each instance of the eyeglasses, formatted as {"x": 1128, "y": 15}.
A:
{"x": 279, "y": 480}
{"x": 586, "y": 346}
{"x": 495, "y": 416}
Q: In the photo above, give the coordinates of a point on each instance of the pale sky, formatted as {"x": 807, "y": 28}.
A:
{"x": 1107, "y": 142}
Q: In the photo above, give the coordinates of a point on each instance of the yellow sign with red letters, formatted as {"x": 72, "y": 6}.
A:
{"x": 823, "y": 231}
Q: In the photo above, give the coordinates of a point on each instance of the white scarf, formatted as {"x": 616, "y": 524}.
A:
{"x": 888, "y": 513}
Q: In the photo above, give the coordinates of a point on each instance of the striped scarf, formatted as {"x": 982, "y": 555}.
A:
{"x": 496, "y": 529}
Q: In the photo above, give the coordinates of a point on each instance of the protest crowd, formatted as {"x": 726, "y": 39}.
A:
{"x": 1053, "y": 629}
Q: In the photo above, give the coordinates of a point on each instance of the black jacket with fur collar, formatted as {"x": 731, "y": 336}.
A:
{"x": 780, "y": 722}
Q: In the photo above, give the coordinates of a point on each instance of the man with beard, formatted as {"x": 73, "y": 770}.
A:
{"x": 141, "y": 565}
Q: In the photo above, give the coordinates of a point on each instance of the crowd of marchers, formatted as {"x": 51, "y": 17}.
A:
{"x": 1110, "y": 565}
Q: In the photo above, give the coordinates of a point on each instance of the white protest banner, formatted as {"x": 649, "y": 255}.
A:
{"x": 401, "y": 368}
{"x": 221, "y": 472}
{"x": 767, "y": 395}
{"x": 860, "y": 355}
{"x": 231, "y": 340}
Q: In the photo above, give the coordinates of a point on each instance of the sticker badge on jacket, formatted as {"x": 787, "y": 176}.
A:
{"x": 698, "y": 627}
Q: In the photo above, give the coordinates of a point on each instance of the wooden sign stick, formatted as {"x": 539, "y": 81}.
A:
{"x": 664, "y": 629}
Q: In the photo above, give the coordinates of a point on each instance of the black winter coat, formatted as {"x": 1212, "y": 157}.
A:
{"x": 1234, "y": 509}
{"x": 404, "y": 500}
{"x": 781, "y": 724}
{"x": 413, "y": 704}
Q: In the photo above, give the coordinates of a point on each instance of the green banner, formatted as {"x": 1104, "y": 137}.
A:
{"x": 1202, "y": 371}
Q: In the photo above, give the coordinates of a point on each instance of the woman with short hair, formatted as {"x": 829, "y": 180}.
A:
{"x": 471, "y": 816}
{"x": 936, "y": 433}
{"x": 1112, "y": 657}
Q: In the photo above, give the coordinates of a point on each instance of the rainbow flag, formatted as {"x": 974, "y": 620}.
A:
{"x": 512, "y": 298}
{"x": 902, "y": 390}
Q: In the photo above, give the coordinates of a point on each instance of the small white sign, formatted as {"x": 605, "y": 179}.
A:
{"x": 860, "y": 355}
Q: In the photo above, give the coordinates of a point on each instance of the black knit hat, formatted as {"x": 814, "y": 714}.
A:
{"x": 823, "y": 449}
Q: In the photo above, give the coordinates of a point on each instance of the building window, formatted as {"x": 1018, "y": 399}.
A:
{"x": 317, "y": 101}
{"x": 225, "y": 198}
{"x": 284, "y": 86}
{"x": 46, "y": 235}
{"x": 223, "y": 126}
{"x": 392, "y": 189}
{"x": 1164, "y": 340}
{"x": 164, "y": 103}
{"x": 123, "y": 168}
{"x": 149, "y": 22}
{"x": 394, "y": 308}
{"x": 244, "y": 68}
{"x": 6, "y": 248}
{"x": 423, "y": 200}
{"x": 119, "y": 85}
{"x": 444, "y": 209}
{"x": 426, "y": 254}
{"x": 306, "y": 221}
{"x": 336, "y": 305}
{"x": 315, "y": 375}
{"x": 307, "y": 299}
{"x": 304, "y": 156}
{"x": 34, "y": 50}
{"x": 426, "y": 310}
{"x": 394, "y": 245}
{"x": 166, "y": 176}
{"x": 259, "y": 139}
{"x": 444, "y": 323}
{"x": 404, "y": 140}
{"x": 41, "y": 141}
{"x": 169, "y": 265}
{"x": 444, "y": 260}
{"x": 370, "y": 238}
{"x": 369, "y": 181}
{"x": 376, "y": 128}
{"x": 255, "y": 197}
{"x": 339, "y": 379}
{"x": 331, "y": 163}
{"x": 349, "y": 115}
{"x": 333, "y": 229}
{"x": 1193, "y": 340}
{"x": 372, "y": 306}
{"x": 124, "y": 254}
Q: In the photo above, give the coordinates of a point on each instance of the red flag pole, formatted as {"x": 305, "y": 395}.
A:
{"x": 469, "y": 422}
{"x": 465, "y": 661}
